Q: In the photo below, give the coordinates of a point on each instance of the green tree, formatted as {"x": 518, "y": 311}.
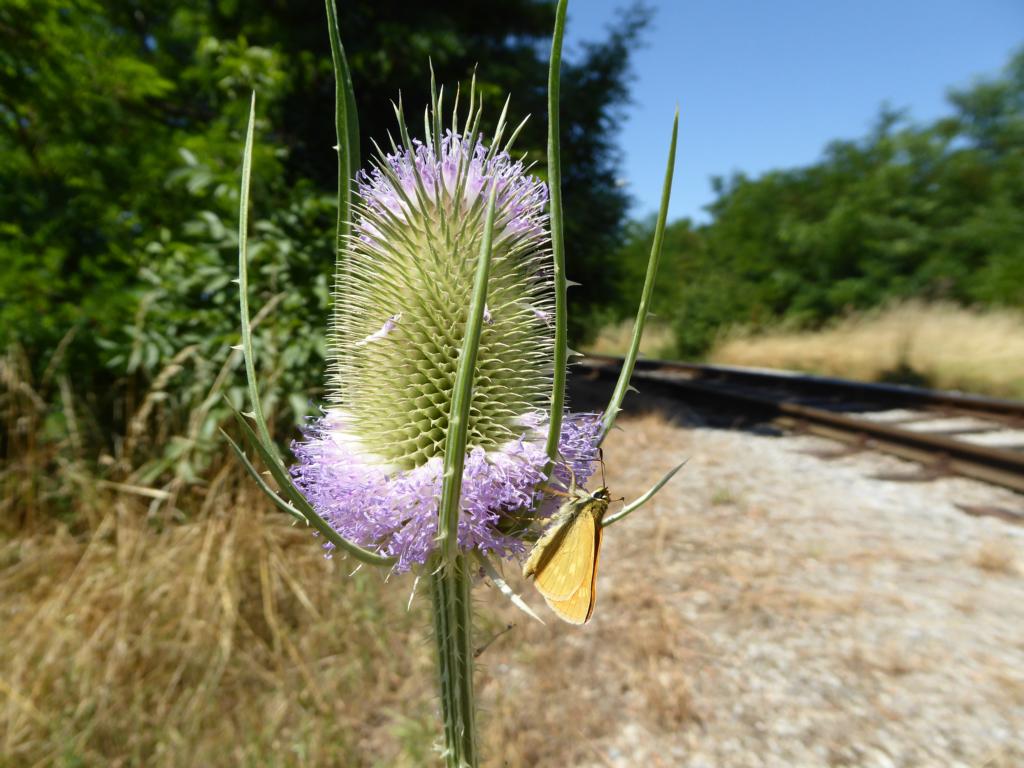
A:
{"x": 120, "y": 139}
{"x": 933, "y": 211}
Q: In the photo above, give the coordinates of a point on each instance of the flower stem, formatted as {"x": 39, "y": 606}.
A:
{"x": 622, "y": 385}
{"x": 453, "y": 623}
{"x": 561, "y": 351}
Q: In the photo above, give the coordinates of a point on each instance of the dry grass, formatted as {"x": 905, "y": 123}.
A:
{"x": 657, "y": 340}
{"x": 175, "y": 626}
{"x": 230, "y": 641}
{"x": 939, "y": 345}
{"x": 891, "y": 657}
{"x": 555, "y": 694}
{"x": 219, "y": 636}
{"x": 227, "y": 640}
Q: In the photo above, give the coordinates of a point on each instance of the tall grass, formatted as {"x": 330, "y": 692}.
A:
{"x": 147, "y": 624}
{"x": 226, "y": 640}
{"x": 657, "y": 341}
{"x": 165, "y": 621}
{"x": 937, "y": 345}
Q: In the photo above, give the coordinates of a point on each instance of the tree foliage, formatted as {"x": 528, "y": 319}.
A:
{"x": 120, "y": 141}
{"x": 933, "y": 211}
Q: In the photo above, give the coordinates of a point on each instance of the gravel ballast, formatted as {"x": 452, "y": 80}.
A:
{"x": 776, "y": 608}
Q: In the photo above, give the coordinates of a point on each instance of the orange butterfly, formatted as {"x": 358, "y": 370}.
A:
{"x": 563, "y": 562}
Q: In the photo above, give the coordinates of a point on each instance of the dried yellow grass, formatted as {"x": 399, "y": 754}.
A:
{"x": 657, "y": 341}
{"x": 938, "y": 345}
{"x": 226, "y": 640}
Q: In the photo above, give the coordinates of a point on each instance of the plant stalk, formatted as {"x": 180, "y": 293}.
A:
{"x": 453, "y": 623}
{"x": 561, "y": 351}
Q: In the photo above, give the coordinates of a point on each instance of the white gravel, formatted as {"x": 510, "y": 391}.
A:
{"x": 825, "y": 617}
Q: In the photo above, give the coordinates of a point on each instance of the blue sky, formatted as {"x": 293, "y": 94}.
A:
{"x": 765, "y": 84}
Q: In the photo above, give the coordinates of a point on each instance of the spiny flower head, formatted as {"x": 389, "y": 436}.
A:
{"x": 372, "y": 465}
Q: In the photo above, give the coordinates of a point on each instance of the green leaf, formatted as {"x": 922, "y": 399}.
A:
{"x": 293, "y": 494}
{"x": 561, "y": 350}
{"x": 243, "y": 283}
{"x": 636, "y": 504}
{"x": 622, "y": 385}
{"x": 346, "y": 123}
{"x": 462, "y": 396}
{"x": 260, "y": 439}
{"x": 255, "y": 475}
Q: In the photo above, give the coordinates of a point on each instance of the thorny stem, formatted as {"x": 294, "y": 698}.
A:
{"x": 346, "y": 123}
{"x": 451, "y": 582}
{"x": 561, "y": 350}
{"x": 622, "y": 385}
{"x": 453, "y": 621}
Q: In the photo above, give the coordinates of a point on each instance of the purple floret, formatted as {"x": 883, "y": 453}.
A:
{"x": 520, "y": 200}
{"x": 395, "y": 512}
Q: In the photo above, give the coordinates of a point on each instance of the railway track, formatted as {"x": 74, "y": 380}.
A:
{"x": 944, "y": 432}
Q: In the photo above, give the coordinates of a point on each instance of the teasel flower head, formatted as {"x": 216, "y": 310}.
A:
{"x": 446, "y": 425}
{"x": 372, "y": 466}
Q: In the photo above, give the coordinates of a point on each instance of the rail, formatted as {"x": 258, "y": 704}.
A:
{"x": 851, "y": 411}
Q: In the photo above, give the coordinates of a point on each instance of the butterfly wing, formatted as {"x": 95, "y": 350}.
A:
{"x": 559, "y": 562}
{"x": 566, "y": 578}
{"x": 564, "y": 561}
{"x": 579, "y": 606}
{"x": 551, "y": 540}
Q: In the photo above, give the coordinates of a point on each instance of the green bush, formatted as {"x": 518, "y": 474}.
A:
{"x": 935, "y": 212}
{"x": 120, "y": 145}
